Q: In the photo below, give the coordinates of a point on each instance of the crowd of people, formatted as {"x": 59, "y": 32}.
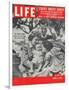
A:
{"x": 43, "y": 54}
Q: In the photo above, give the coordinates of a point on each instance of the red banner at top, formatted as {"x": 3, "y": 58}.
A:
{"x": 25, "y": 11}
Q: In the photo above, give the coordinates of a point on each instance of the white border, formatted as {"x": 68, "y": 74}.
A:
{"x": 4, "y": 39}
{"x": 10, "y": 36}
{"x": 51, "y": 3}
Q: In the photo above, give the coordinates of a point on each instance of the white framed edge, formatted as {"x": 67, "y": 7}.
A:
{"x": 36, "y": 3}
{"x": 10, "y": 46}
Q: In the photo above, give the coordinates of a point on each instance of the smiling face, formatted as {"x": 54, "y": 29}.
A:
{"x": 35, "y": 40}
{"x": 38, "y": 47}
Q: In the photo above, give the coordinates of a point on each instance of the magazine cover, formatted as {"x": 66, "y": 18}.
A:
{"x": 38, "y": 44}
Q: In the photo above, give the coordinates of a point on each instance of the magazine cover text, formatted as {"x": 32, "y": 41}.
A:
{"x": 38, "y": 44}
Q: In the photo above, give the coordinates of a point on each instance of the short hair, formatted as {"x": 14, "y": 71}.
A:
{"x": 30, "y": 38}
{"x": 48, "y": 45}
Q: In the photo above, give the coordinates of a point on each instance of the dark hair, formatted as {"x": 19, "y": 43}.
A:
{"x": 43, "y": 22}
{"x": 48, "y": 45}
{"x": 13, "y": 51}
{"x": 30, "y": 38}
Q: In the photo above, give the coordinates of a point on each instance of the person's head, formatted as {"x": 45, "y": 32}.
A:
{"x": 43, "y": 26}
{"x": 34, "y": 39}
{"x": 55, "y": 49}
{"x": 25, "y": 49}
{"x": 38, "y": 47}
{"x": 43, "y": 21}
{"x": 47, "y": 45}
{"x": 61, "y": 56}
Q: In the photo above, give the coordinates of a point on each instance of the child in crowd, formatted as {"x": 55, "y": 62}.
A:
{"x": 26, "y": 65}
{"x": 54, "y": 61}
{"x": 37, "y": 57}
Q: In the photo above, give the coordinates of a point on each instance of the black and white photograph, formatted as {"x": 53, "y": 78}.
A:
{"x": 38, "y": 47}
{"x": 34, "y": 44}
